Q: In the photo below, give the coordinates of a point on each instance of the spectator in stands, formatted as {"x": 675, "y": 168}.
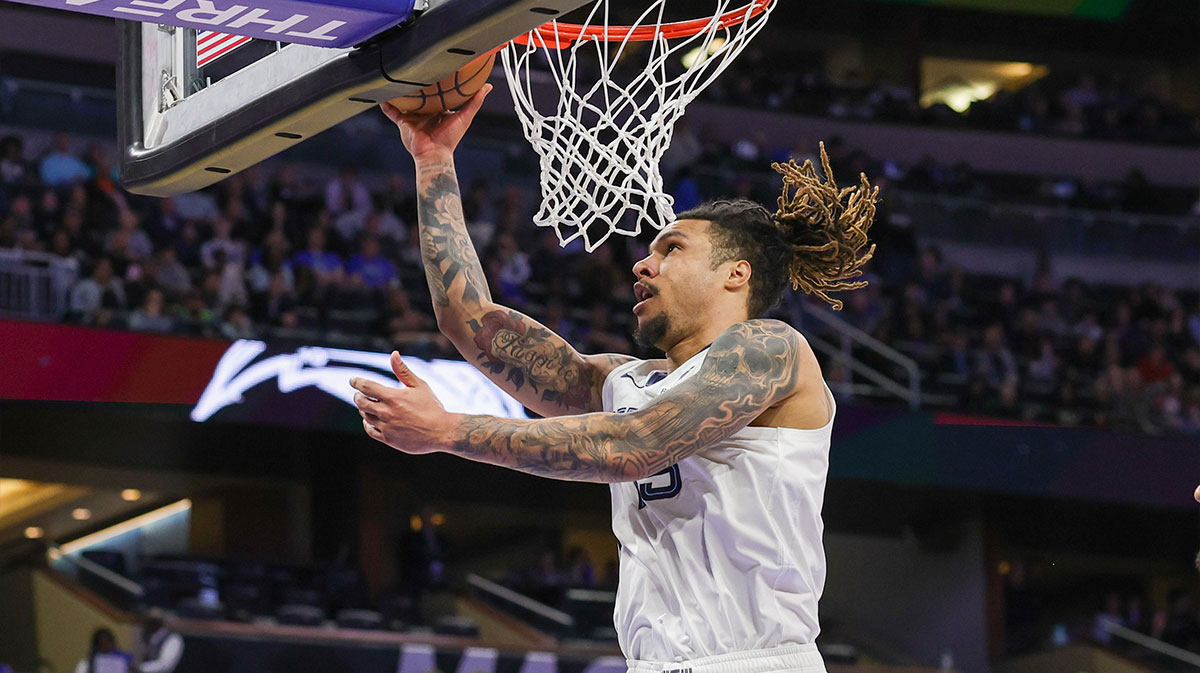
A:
{"x": 402, "y": 322}
{"x": 369, "y": 268}
{"x": 151, "y": 317}
{"x": 326, "y": 266}
{"x": 346, "y": 193}
{"x": 509, "y": 266}
{"x": 994, "y": 361}
{"x": 543, "y": 581}
{"x": 129, "y": 241}
{"x": 1109, "y": 617}
{"x": 12, "y": 161}
{"x": 1153, "y": 369}
{"x": 99, "y": 293}
{"x": 423, "y": 554}
{"x": 222, "y": 241}
{"x": 230, "y": 283}
{"x": 397, "y": 202}
{"x": 278, "y": 299}
{"x": 1178, "y": 624}
{"x": 195, "y": 311}
{"x": 162, "y": 648}
{"x": 60, "y": 167}
{"x": 237, "y": 324}
{"x": 556, "y": 320}
{"x": 171, "y": 275}
{"x": 269, "y": 259}
{"x": 104, "y": 657}
{"x": 580, "y": 573}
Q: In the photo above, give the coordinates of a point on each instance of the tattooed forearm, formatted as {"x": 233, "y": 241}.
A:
{"x": 752, "y": 366}
{"x": 527, "y": 360}
{"x": 445, "y": 244}
{"x": 527, "y": 354}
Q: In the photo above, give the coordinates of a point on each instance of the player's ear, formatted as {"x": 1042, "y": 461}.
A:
{"x": 739, "y": 275}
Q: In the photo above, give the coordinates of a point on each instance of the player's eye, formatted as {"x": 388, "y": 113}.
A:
{"x": 672, "y": 246}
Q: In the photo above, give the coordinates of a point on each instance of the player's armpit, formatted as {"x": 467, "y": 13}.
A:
{"x": 749, "y": 368}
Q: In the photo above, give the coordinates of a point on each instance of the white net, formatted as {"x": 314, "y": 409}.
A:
{"x": 619, "y": 94}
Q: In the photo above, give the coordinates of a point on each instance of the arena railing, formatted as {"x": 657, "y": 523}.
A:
{"x": 848, "y": 338}
{"x": 42, "y": 105}
{"x": 35, "y": 285}
{"x": 119, "y": 590}
{"x": 539, "y": 614}
{"x": 1055, "y": 228}
{"x": 1153, "y": 650}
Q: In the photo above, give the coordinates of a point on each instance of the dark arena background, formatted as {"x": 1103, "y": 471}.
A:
{"x": 1018, "y": 431}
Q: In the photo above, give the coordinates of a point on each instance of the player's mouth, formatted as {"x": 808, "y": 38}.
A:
{"x": 643, "y": 293}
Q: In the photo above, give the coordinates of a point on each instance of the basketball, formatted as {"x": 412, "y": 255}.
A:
{"x": 450, "y": 93}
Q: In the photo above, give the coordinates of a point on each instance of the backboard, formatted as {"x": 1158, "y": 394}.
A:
{"x": 195, "y": 106}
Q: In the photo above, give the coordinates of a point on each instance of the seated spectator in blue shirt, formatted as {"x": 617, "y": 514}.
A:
{"x": 325, "y": 264}
{"x": 60, "y": 167}
{"x": 369, "y": 267}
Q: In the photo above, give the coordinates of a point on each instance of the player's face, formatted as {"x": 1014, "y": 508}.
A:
{"x": 675, "y": 283}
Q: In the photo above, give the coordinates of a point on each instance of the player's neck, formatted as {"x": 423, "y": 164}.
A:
{"x": 697, "y": 341}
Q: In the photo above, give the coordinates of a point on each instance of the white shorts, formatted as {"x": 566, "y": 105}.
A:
{"x": 786, "y": 659}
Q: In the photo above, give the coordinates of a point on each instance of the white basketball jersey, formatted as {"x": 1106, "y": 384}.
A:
{"x": 722, "y": 552}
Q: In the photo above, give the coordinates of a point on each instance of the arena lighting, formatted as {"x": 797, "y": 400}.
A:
{"x": 34, "y": 533}
{"x": 692, "y": 57}
{"x": 131, "y": 495}
{"x": 126, "y": 526}
{"x": 81, "y": 514}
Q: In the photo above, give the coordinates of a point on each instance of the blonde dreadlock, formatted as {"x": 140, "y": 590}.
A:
{"x": 826, "y": 227}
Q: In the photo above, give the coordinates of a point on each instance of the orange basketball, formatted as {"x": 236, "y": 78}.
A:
{"x": 450, "y": 93}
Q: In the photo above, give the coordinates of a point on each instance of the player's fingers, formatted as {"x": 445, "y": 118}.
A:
{"x": 403, "y": 373}
{"x": 1197, "y": 494}
{"x": 368, "y": 405}
{"x": 391, "y": 111}
{"x": 370, "y": 417}
{"x": 370, "y": 388}
{"x": 372, "y": 431}
{"x": 473, "y": 105}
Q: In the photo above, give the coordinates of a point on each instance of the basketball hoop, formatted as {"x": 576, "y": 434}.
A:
{"x": 600, "y": 149}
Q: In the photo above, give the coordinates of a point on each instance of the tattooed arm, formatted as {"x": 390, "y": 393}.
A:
{"x": 751, "y": 367}
{"x": 530, "y": 362}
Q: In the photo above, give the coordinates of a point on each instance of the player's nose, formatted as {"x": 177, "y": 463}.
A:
{"x": 644, "y": 269}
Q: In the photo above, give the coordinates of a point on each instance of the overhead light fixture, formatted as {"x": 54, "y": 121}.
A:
{"x": 81, "y": 514}
{"x": 131, "y": 494}
{"x": 34, "y": 533}
{"x": 700, "y": 55}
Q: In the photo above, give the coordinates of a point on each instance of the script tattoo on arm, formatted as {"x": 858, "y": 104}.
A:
{"x": 526, "y": 359}
{"x": 525, "y": 353}
{"x": 750, "y": 367}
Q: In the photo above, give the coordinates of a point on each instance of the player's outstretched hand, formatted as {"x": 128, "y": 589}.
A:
{"x": 408, "y": 419}
{"x": 425, "y": 135}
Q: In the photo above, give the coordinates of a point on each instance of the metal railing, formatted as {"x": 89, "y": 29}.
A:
{"x": 541, "y": 615}
{"x": 1054, "y": 228}
{"x": 838, "y": 341}
{"x": 1175, "y": 657}
{"x": 35, "y": 285}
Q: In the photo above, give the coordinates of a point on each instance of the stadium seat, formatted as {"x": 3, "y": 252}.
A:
{"x": 300, "y": 615}
{"x": 359, "y": 619}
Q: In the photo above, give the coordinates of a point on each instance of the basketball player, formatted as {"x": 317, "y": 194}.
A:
{"x": 716, "y": 454}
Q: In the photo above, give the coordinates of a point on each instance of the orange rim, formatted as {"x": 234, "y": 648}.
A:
{"x": 562, "y": 35}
